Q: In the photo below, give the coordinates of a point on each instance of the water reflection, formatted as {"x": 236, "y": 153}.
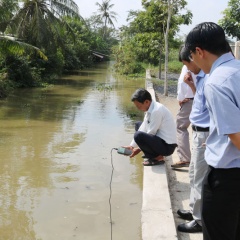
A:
{"x": 55, "y": 148}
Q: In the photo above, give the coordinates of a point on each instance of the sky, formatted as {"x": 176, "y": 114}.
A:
{"x": 121, "y": 7}
{"x": 203, "y": 10}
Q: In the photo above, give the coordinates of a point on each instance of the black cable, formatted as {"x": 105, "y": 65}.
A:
{"x": 110, "y": 188}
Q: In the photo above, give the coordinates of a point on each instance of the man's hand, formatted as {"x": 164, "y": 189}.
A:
{"x": 189, "y": 81}
{"x": 183, "y": 101}
{"x": 135, "y": 151}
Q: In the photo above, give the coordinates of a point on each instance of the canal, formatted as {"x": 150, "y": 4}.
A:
{"x": 56, "y": 160}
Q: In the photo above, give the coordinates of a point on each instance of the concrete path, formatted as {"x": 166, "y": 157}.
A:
{"x": 178, "y": 180}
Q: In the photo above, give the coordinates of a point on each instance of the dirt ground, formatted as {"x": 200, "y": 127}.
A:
{"x": 178, "y": 179}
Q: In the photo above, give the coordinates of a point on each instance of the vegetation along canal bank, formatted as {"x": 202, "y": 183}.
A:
{"x": 42, "y": 39}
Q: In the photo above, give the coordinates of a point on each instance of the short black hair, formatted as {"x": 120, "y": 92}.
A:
{"x": 208, "y": 36}
{"x": 141, "y": 95}
{"x": 183, "y": 54}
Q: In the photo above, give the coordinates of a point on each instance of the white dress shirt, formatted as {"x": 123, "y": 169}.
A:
{"x": 159, "y": 121}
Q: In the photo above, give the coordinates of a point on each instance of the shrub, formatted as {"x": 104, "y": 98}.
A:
{"x": 174, "y": 66}
{"x": 6, "y": 86}
{"x": 21, "y": 72}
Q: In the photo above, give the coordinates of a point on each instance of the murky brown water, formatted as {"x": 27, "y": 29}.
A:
{"x": 55, "y": 157}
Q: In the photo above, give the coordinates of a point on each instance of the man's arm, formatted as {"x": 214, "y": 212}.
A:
{"x": 235, "y": 138}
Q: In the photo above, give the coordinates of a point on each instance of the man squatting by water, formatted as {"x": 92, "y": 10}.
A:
{"x": 156, "y": 135}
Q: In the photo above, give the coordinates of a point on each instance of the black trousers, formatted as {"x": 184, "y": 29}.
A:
{"x": 152, "y": 146}
{"x": 221, "y": 204}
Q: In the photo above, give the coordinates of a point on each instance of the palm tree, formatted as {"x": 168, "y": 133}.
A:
{"x": 105, "y": 14}
{"x": 9, "y": 44}
{"x": 7, "y": 7}
{"x": 40, "y": 22}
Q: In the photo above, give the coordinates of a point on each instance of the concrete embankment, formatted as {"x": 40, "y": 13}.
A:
{"x": 157, "y": 217}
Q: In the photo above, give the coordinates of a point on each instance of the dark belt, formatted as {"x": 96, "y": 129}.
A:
{"x": 190, "y": 98}
{"x": 200, "y": 129}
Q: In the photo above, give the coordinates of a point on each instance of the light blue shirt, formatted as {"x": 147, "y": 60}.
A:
{"x": 222, "y": 92}
{"x": 199, "y": 115}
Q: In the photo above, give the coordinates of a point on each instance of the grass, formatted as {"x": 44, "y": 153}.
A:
{"x": 160, "y": 82}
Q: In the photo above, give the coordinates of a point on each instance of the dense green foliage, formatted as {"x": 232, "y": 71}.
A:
{"x": 231, "y": 20}
{"x": 143, "y": 40}
{"x": 41, "y": 39}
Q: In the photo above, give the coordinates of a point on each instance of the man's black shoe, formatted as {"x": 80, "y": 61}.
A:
{"x": 190, "y": 227}
{"x": 186, "y": 215}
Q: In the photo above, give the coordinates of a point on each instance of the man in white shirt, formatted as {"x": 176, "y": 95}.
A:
{"x": 185, "y": 98}
{"x": 156, "y": 136}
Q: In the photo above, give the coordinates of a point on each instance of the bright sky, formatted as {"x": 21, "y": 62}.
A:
{"x": 203, "y": 10}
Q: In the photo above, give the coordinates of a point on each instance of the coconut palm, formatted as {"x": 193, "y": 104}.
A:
{"x": 9, "y": 44}
{"x": 40, "y": 22}
{"x": 105, "y": 14}
{"x": 7, "y": 7}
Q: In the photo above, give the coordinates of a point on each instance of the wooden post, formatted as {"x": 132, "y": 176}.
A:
{"x": 237, "y": 50}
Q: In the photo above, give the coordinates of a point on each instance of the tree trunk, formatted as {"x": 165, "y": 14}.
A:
{"x": 166, "y": 48}
{"x": 105, "y": 28}
{"x": 160, "y": 63}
